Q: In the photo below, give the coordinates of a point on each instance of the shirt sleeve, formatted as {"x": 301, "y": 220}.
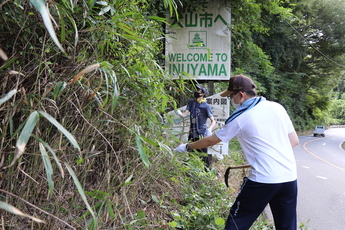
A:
{"x": 189, "y": 105}
{"x": 228, "y": 131}
{"x": 209, "y": 111}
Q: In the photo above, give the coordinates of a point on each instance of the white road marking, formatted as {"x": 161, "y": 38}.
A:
{"x": 321, "y": 177}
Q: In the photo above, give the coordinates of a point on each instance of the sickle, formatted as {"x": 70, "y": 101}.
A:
{"x": 226, "y": 175}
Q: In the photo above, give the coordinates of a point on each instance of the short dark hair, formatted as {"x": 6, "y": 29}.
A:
{"x": 203, "y": 89}
{"x": 251, "y": 93}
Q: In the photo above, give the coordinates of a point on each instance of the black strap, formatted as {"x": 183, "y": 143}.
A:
{"x": 241, "y": 110}
{"x": 226, "y": 176}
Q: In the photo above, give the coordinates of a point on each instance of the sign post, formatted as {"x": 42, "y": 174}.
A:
{"x": 198, "y": 47}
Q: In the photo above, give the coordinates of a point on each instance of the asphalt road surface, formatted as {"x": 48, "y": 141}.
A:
{"x": 321, "y": 181}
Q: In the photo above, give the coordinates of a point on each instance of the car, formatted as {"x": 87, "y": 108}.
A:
{"x": 319, "y": 131}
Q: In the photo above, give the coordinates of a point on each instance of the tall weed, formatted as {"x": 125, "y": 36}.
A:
{"x": 98, "y": 113}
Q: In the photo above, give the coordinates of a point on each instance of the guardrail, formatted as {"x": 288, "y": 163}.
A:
{"x": 337, "y": 126}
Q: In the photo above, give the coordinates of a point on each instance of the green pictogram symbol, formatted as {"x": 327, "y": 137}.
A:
{"x": 197, "y": 40}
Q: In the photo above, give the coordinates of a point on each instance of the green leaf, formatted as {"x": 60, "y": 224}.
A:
{"x": 64, "y": 14}
{"x": 61, "y": 128}
{"x": 101, "y": 192}
{"x": 142, "y": 152}
{"x": 80, "y": 160}
{"x": 159, "y": 19}
{"x": 115, "y": 92}
{"x": 220, "y": 221}
{"x": 14, "y": 210}
{"x": 110, "y": 209}
{"x": 52, "y": 152}
{"x": 111, "y": 82}
{"x": 155, "y": 199}
{"x": 173, "y": 224}
{"x": 25, "y": 135}
{"x": 48, "y": 167}
{"x": 94, "y": 195}
{"x": 104, "y": 10}
{"x": 8, "y": 63}
{"x": 129, "y": 178}
{"x": 11, "y": 126}
{"x": 172, "y": 7}
{"x": 103, "y": 3}
{"x": 141, "y": 214}
{"x": 7, "y": 96}
{"x": 80, "y": 190}
{"x": 58, "y": 89}
{"x": 127, "y": 181}
{"x": 135, "y": 38}
{"x": 43, "y": 10}
{"x": 152, "y": 142}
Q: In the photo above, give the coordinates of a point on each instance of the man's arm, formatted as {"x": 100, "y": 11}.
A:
{"x": 294, "y": 141}
{"x": 213, "y": 123}
{"x": 205, "y": 142}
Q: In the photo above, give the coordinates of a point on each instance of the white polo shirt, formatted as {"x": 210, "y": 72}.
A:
{"x": 263, "y": 134}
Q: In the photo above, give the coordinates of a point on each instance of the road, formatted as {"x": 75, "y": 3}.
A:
{"x": 321, "y": 181}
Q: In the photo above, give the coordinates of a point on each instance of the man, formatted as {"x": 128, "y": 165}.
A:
{"x": 199, "y": 111}
{"x": 267, "y": 136}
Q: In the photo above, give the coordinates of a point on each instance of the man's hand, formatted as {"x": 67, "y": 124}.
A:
{"x": 179, "y": 113}
{"x": 181, "y": 148}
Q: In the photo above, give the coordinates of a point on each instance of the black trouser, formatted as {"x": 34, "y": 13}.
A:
{"x": 254, "y": 197}
{"x": 207, "y": 159}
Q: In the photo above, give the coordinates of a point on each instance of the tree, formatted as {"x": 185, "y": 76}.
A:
{"x": 304, "y": 51}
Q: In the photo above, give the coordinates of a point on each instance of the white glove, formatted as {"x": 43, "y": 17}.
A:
{"x": 178, "y": 112}
{"x": 208, "y": 132}
{"x": 181, "y": 148}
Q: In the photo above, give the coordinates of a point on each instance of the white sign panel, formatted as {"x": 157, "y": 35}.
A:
{"x": 198, "y": 44}
{"x": 220, "y": 110}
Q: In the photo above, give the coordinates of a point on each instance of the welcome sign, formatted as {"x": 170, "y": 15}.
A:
{"x": 198, "y": 44}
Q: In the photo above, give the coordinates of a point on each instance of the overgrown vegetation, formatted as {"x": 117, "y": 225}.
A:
{"x": 83, "y": 137}
{"x": 109, "y": 93}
